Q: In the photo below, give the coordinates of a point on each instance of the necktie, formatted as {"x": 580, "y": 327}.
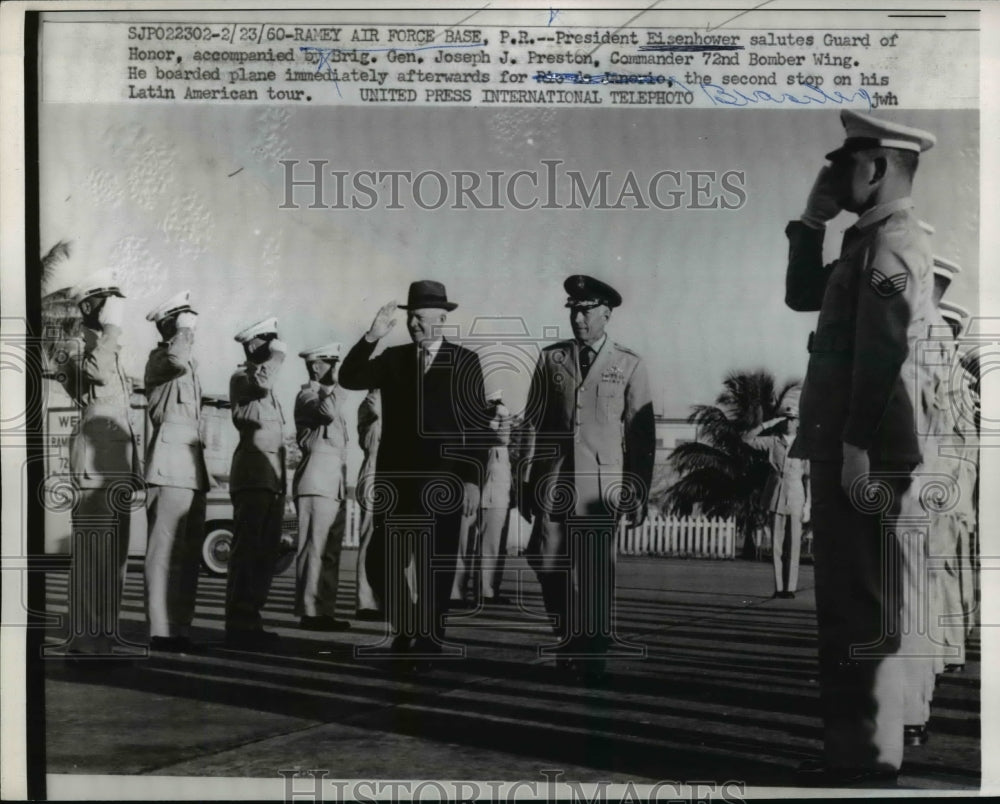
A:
{"x": 425, "y": 360}
{"x": 586, "y": 360}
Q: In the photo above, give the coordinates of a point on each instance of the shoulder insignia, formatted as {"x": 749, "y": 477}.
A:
{"x": 886, "y": 286}
{"x": 624, "y": 349}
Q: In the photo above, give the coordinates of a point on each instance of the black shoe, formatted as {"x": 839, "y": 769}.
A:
{"x": 174, "y": 644}
{"x": 251, "y": 639}
{"x": 816, "y": 773}
{"x": 465, "y": 604}
{"x": 323, "y": 623}
{"x": 914, "y": 736}
{"x": 954, "y": 668}
{"x": 785, "y": 595}
{"x": 498, "y": 600}
{"x": 401, "y": 644}
{"x": 369, "y": 615}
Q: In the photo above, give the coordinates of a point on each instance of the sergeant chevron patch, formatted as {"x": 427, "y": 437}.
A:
{"x": 886, "y": 286}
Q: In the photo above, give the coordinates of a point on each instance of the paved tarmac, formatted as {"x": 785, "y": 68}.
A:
{"x": 725, "y": 690}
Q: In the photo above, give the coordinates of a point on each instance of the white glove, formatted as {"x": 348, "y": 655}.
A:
{"x": 112, "y": 312}
{"x": 821, "y": 206}
{"x": 187, "y": 320}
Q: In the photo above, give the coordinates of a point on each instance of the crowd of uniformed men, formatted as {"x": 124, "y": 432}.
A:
{"x": 885, "y": 426}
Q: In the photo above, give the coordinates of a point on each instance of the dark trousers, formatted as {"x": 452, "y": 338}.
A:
{"x": 257, "y": 515}
{"x": 858, "y": 600}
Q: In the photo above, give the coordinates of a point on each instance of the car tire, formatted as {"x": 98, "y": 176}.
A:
{"x": 216, "y": 547}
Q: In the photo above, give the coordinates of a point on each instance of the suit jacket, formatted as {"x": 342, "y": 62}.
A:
{"x": 103, "y": 448}
{"x": 433, "y": 423}
{"x": 175, "y": 455}
{"x": 321, "y": 433}
{"x": 874, "y": 303}
{"x": 259, "y": 459}
{"x": 593, "y": 436}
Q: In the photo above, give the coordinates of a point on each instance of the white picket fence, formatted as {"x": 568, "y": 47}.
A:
{"x": 689, "y": 537}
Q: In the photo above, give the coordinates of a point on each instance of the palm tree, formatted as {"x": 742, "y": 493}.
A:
{"x": 60, "y": 316}
{"x": 720, "y": 474}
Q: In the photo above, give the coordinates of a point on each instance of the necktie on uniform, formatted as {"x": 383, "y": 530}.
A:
{"x": 586, "y": 360}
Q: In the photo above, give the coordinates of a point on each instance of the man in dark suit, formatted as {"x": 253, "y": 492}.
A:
{"x": 429, "y": 461}
{"x": 590, "y": 461}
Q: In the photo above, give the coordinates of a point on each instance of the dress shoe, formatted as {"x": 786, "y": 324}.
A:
{"x": 323, "y": 623}
{"x": 954, "y": 668}
{"x": 174, "y": 644}
{"x": 785, "y": 595}
{"x": 914, "y": 736}
{"x": 369, "y": 615}
{"x": 463, "y": 604}
{"x": 497, "y": 600}
{"x": 401, "y": 644}
{"x": 816, "y": 773}
{"x": 251, "y": 639}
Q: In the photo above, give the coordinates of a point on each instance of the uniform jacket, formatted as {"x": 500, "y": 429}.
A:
{"x": 874, "y": 304}
{"x": 259, "y": 459}
{"x": 497, "y": 484}
{"x": 175, "y": 455}
{"x": 589, "y": 435}
{"x": 321, "y": 433}
{"x": 433, "y": 423}
{"x": 786, "y": 489}
{"x": 103, "y": 448}
{"x": 369, "y": 434}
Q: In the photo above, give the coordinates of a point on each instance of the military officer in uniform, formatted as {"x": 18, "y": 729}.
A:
{"x": 318, "y": 488}
{"x": 857, "y": 428}
{"x": 368, "y": 600}
{"x": 591, "y": 444}
{"x": 256, "y": 484}
{"x": 104, "y": 465}
{"x": 786, "y": 494}
{"x": 176, "y": 477}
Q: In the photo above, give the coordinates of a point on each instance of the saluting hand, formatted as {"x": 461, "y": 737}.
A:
{"x": 384, "y": 321}
{"x": 821, "y": 205}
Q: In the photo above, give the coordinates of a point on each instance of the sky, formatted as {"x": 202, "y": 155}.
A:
{"x": 183, "y": 196}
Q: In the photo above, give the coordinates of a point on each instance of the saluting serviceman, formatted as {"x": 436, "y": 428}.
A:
{"x": 590, "y": 452}
{"x": 176, "y": 477}
{"x": 368, "y": 596}
{"x": 857, "y": 425}
{"x": 104, "y": 465}
{"x": 318, "y": 488}
{"x": 256, "y": 484}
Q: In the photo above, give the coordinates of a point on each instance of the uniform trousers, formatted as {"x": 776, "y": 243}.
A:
{"x": 365, "y": 596}
{"x": 858, "y": 599}
{"x": 465, "y": 583}
{"x": 317, "y": 560}
{"x": 98, "y": 559}
{"x": 176, "y": 530}
{"x": 574, "y": 559}
{"x": 257, "y": 515}
{"x": 786, "y": 562}
{"x": 493, "y": 527}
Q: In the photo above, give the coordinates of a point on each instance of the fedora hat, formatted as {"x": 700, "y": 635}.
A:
{"x": 426, "y": 293}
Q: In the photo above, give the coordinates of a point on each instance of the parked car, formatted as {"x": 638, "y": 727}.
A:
{"x": 219, "y": 437}
{"x": 218, "y": 543}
